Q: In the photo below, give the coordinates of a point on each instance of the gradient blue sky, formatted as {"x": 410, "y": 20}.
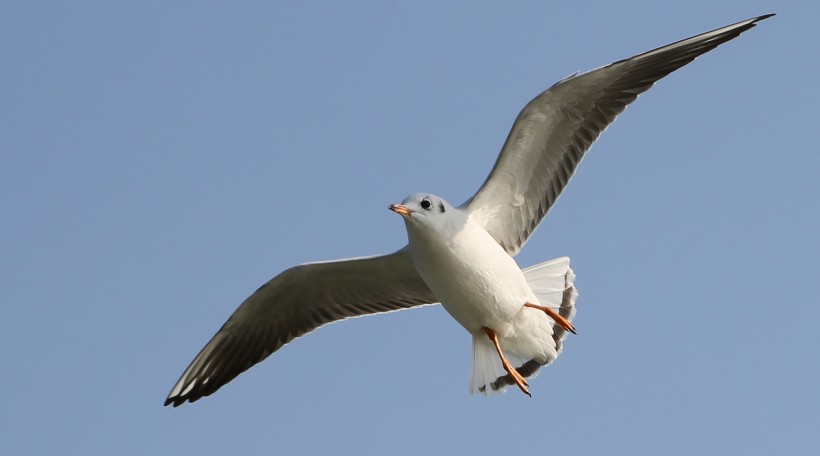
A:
{"x": 161, "y": 160}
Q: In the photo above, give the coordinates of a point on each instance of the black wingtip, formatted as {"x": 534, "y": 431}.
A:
{"x": 176, "y": 401}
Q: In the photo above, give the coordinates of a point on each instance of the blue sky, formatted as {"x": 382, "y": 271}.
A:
{"x": 161, "y": 160}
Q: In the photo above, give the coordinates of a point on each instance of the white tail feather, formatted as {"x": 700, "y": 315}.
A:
{"x": 550, "y": 281}
{"x": 486, "y": 365}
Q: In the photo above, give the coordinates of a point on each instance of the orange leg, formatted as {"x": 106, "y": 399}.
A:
{"x": 517, "y": 378}
{"x": 562, "y": 322}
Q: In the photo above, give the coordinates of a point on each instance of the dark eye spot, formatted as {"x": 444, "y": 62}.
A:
{"x": 426, "y": 204}
{"x": 441, "y": 207}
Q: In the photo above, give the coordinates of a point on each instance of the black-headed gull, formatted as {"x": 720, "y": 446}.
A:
{"x": 462, "y": 256}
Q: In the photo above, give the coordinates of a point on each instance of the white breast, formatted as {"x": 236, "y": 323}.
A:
{"x": 477, "y": 282}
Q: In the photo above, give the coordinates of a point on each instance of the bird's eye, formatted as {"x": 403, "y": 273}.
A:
{"x": 426, "y": 204}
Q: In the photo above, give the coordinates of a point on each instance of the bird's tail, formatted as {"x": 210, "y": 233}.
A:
{"x": 538, "y": 339}
{"x": 553, "y": 283}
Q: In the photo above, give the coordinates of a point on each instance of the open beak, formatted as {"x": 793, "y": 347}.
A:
{"x": 400, "y": 209}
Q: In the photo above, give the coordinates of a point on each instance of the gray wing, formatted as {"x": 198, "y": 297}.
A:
{"x": 295, "y": 302}
{"x": 553, "y": 132}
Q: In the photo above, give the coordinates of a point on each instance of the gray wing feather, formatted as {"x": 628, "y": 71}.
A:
{"x": 553, "y": 132}
{"x": 296, "y": 302}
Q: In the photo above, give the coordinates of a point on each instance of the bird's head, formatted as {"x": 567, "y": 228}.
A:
{"x": 425, "y": 213}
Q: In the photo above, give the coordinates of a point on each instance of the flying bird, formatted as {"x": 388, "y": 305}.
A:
{"x": 462, "y": 256}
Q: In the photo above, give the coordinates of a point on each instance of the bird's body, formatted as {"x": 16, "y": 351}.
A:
{"x": 480, "y": 285}
{"x": 462, "y": 256}
{"x": 477, "y": 282}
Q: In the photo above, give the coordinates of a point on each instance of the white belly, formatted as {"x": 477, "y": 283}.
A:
{"x": 477, "y": 282}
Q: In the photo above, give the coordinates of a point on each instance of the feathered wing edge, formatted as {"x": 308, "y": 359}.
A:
{"x": 294, "y": 303}
{"x": 554, "y": 131}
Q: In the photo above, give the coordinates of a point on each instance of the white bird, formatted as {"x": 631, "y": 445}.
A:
{"x": 462, "y": 256}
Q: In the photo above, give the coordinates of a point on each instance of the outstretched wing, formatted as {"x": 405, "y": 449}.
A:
{"x": 296, "y": 302}
{"x": 553, "y": 132}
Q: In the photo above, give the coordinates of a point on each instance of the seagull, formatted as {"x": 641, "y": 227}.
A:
{"x": 462, "y": 256}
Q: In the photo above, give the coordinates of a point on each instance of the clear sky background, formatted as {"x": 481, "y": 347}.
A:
{"x": 161, "y": 160}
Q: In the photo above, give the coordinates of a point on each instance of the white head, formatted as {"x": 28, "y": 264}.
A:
{"x": 427, "y": 215}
